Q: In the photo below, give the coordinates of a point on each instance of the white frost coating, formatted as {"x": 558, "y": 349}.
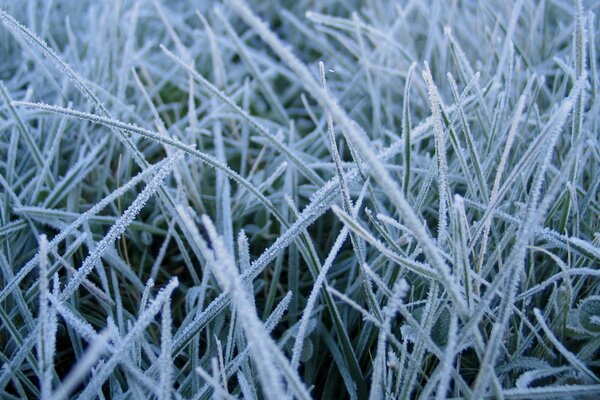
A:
{"x": 24, "y": 132}
{"x": 362, "y": 146}
{"x": 87, "y": 332}
{"x": 320, "y": 203}
{"x": 440, "y": 150}
{"x": 146, "y": 294}
{"x": 223, "y": 267}
{"x": 218, "y": 388}
{"x": 517, "y": 255}
{"x": 83, "y": 218}
{"x": 120, "y": 350}
{"x": 572, "y": 358}
{"x": 43, "y": 347}
{"x": 406, "y": 126}
{"x": 166, "y": 358}
{"x": 503, "y": 160}
{"x": 296, "y": 160}
{"x": 117, "y": 229}
{"x": 82, "y": 368}
{"x": 162, "y": 251}
{"x": 269, "y": 324}
{"x": 312, "y": 298}
{"x": 372, "y": 48}
{"x": 188, "y": 149}
{"x": 78, "y": 81}
{"x": 82, "y": 327}
{"x": 418, "y": 267}
{"x": 266, "y": 353}
{"x": 448, "y": 360}
{"x": 379, "y": 364}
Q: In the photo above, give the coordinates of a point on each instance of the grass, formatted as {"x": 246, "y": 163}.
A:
{"x": 299, "y": 199}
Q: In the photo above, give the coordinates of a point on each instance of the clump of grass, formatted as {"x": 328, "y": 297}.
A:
{"x": 413, "y": 187}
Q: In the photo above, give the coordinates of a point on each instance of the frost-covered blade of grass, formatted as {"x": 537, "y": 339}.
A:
{"x": 82, "y": 367}
{"x": 261, "y": 345}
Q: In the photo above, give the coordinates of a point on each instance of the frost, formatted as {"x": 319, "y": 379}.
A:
{"x": 375, "y": 235}
{"x": 440, "y": 151}
{"x": 117, "y": 229}
{"x": 261, "y": 345}
{"x": 166, "y": 358}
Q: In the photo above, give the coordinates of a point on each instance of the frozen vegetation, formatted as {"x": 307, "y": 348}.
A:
{"x": 299, "y": 199}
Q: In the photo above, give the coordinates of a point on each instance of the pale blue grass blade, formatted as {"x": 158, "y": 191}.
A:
{"x": 78, "y": 372}
{"x": 43, "y": 346}
{"x": 166, "y": 358}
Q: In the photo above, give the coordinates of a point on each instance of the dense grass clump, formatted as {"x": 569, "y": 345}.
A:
{"x": 299, "y": 199}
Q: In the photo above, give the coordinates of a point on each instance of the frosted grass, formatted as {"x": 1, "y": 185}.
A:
{"x": 310, "y": 200}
